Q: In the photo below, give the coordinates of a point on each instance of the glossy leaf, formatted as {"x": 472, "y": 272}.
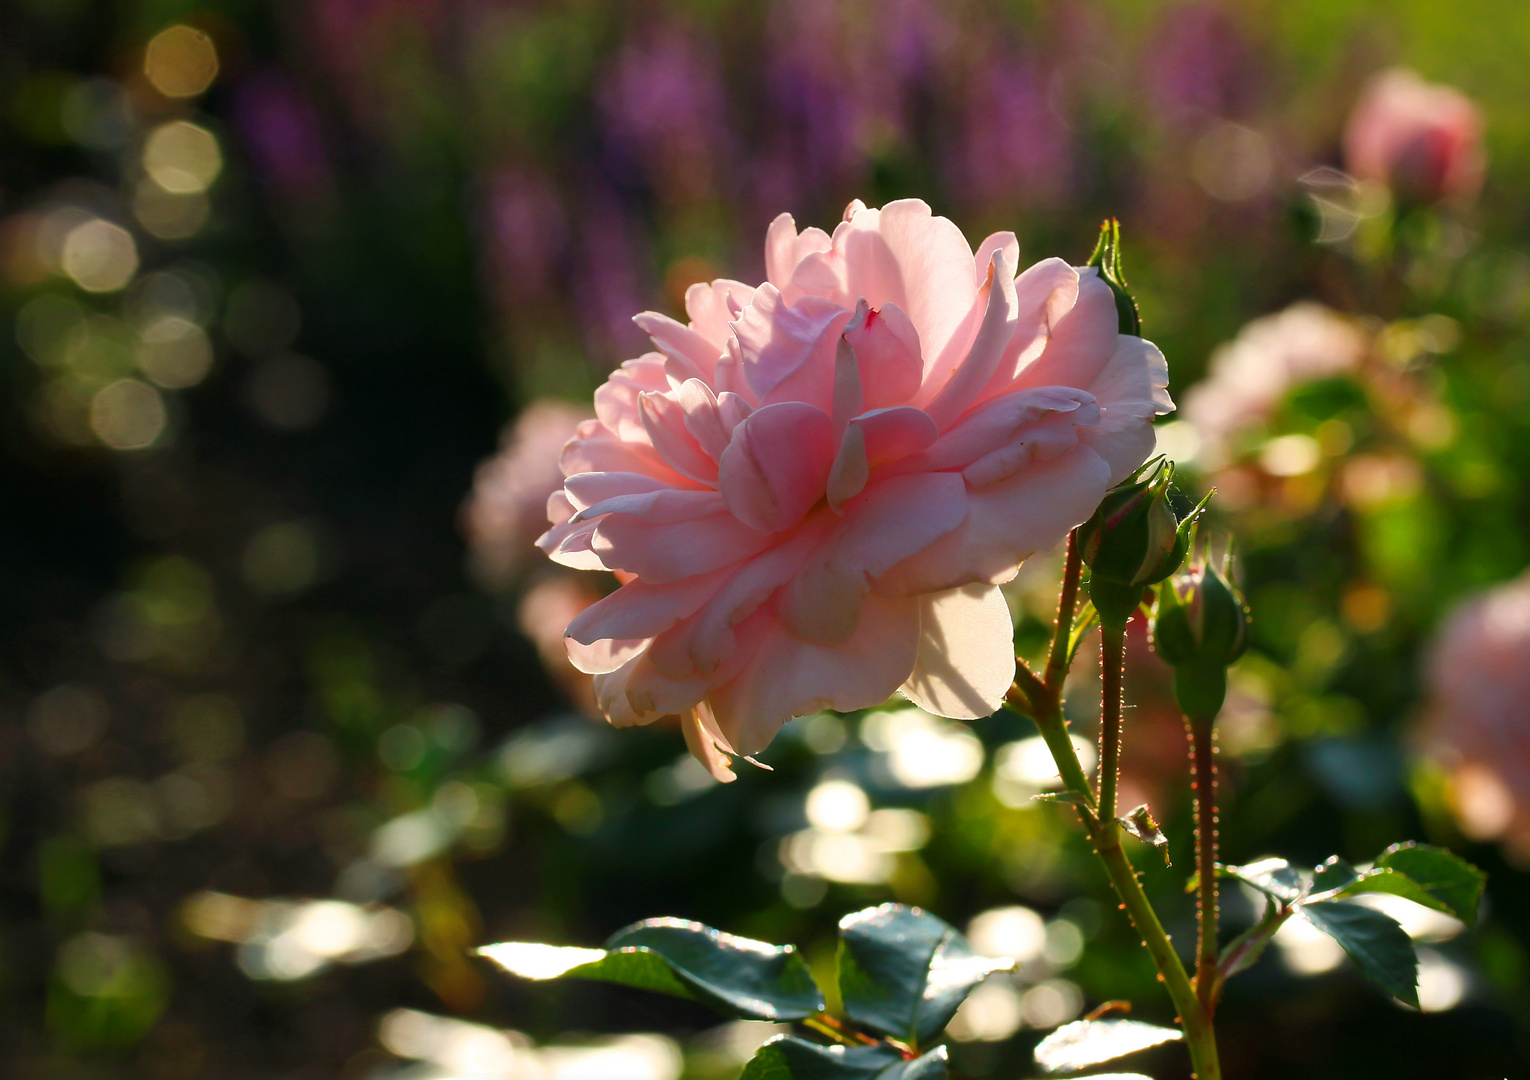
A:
{"x": 1275, "y": 878}
{"x": 1333, "y": 874}
{"x": 1451, "y": 884}
{"x": 1089, "y": 1042}
{"x": 1375, "y": 942}
{"x": 903, "y": 972}
{"x": 752, "y": 980}
{"x": 787, "y": 1057}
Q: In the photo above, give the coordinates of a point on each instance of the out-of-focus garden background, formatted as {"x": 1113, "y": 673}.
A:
{"x": 284, "y": 725}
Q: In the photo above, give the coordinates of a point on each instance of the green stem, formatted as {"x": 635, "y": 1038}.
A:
{"x": 1067, "y": 603}
{"x": 1112, "y": 661}
{"x": 1203, "y": 756}
{"x": 1105, "y": 834}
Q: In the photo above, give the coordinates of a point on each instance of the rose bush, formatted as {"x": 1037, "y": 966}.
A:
{"x": 818, "y": 484}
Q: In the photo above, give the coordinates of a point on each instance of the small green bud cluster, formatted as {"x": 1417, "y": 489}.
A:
{"x": 1201, "y": 627}
{"x": 1133, "y": 540}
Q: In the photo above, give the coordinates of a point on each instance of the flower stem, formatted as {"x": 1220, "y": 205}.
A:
{"x": 1105, "y": 833}
{"x": 1044, "y": 705}
{"x": 1067, "y": 603}
{"x": 1203, "y": 752}
{"x": 1112, "y": 660}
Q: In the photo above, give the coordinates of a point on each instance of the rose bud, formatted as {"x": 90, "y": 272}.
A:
{"x": 1201, "y": 627}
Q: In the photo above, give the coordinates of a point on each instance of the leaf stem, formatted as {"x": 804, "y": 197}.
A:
{"x": 1112, "y": 661}
{"x": 1203, "y": 751}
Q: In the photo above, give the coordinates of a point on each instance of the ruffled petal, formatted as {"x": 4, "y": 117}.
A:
{"x": 642, "y": 610}
{"x": 664, "y": 421}
{"x": 883, "y": 526}
{"x": 786, "y": 677}
{"x": 777, "y": 465}
{"x": 977, "y": 368}
{"x": 787, "y": 350}
{"x": 711, "y": 307}
{"x": 666, "y": 552}
{"x": 887, "y": 351}
{"x": 1006, "y": 523}
{"x": 966, "y": 659}
{"x": 1081, "y": 342}
{"x": 901, "y": 254}
{"x": 1132, "y": 390}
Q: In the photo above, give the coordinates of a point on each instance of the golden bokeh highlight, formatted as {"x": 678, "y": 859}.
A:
{"x": 100, "y": 257}
{"x": 127, "y": 414}
{"x": 182, "y": 157}
{"x": 181, "y": 62}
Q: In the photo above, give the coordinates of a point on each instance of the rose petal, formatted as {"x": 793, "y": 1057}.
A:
{"x": 777, "y": 465}
{"x": 966, "y": 659}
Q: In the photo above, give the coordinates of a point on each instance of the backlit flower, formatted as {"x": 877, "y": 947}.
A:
{"x": 1478, "y": 713}
{"x": 819, "y": 483}
{"x": 507, "y": 508}
{"x": 1250, "y": 375}
{"x": 1421, "y": 139}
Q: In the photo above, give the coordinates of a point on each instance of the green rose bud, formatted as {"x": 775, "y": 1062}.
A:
{"x": 1201, "y": 627}
{"x": 1134, "y": 540}
{"x": 1107, "y": 260}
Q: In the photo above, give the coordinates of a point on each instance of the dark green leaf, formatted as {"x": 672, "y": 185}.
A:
{"x": 749, "y": 979}
{"x": 1140, "y": 823}
{"x": 1273, "y": 877}
{"x": 1089, "y": 1042}
{"x": 1335, "y": 873}
{"x": 1377, "y": 945}
{"x": 1453, "y": 885}
{"x": 787, "y": 1057}
{"x": 903, "y": 972}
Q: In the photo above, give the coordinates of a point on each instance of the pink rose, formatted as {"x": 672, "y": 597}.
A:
{"x": 1423, "y": 140}
{"x": 819, "y": 483}
{"x": 1249, "y": 376}
{"x": 1478, "y": 712}
{"x": 507, "y": 509}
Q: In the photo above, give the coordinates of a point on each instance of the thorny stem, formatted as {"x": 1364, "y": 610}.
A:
{"x": 1112, "y": 660}
{"x": 1067, "y": 602}
{"x": 1203, "y": 751}
{"x": 1045, "y": 707}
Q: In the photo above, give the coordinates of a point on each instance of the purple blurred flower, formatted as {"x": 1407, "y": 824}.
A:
{"x": 1014, "y": 146}
{"x": 663, "y": 111}
{"x": 1199, "y": 63}
{"x": 281, "y": 132}
{"x": 528, "y": 232}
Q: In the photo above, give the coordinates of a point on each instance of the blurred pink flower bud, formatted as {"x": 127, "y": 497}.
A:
{"x": 507, "y": 509}
{"x": 1478, "y": 713}
{"x": 1249, "y": 376}
{"x": 819, "y": 483}
{"x": 1421, "y": 139}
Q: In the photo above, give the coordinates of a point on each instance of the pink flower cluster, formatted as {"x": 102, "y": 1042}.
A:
{"x": 1478, "y": 718}
{"x": 819, "y": 483}
{"x": 1421, "y": 139}
{"x": 1249, "y": 376}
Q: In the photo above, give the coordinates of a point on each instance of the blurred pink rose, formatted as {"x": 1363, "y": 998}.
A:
{"x": 1421, "y": 139}
{"x": 820, "y": 482}
{"x": 1250, "y": 375}
{"x": 549, "y": 605}
{"x": 1478, "y": 713}
{"x": 507, "y": 509}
